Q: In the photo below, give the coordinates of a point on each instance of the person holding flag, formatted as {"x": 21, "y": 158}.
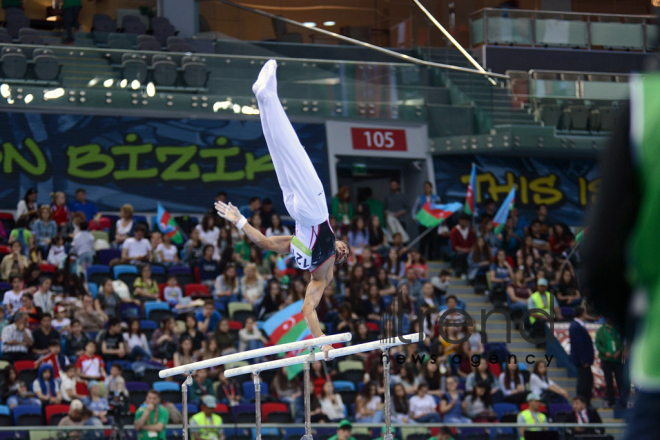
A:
{"x": 428, "y": 243}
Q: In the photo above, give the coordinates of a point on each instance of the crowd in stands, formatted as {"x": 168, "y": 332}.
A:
{"x": 96, "y": 304}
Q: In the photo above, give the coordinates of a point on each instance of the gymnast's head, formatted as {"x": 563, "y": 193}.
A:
{"x": 342, "y": 252}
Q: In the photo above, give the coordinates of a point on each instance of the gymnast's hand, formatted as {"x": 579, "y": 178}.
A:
{"x": 326, "y": 348}
{"x": 228, "y": 211}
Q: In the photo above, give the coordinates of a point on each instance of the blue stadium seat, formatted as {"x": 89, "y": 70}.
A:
{"x": 166, "y": 385}
{"x": 155, "y": 305}
{"x": 157, "y": 269}
{"x": 343, "y": 385}
{"x": 93, "y": 289}
{"x": 248, "y": 390}
{"x": 192, "y": 408}
{"x": 105, "y": 256}
{"x": 25, "y": 410}
{"x": 124, "y": 268}
{"x": 503, "y": 408}
{"x": 97, "y": 273}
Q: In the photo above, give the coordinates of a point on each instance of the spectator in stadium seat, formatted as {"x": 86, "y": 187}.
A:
{"x": 95, "y": 403}
{"x": 229, "y": 390}
{"x": 413, "y": 284}
{"x": 561, "y": 239}
{"x": 90, "y": 366}
{"x": 226, "y": 285}
{"x": 479, "y": 260}
{"x": 23, "y": 396}
{"x": 253, "y": 207}
{"x": 250, "y": 337}
{"x": 225, "y": 246}
{"x": 17, "y": 340}
{"x": 273, "y": 301}
{"x": 73, "y": 227}
{"x": 422, "y": 406}
{"x": 44, "y": 228}
{"x": 57, "y": 252}
{"x": 112, "y": 342}
{"x": 73, "y": 418}
{"x": 532, "y": 415}
{"x": 201, "y": 386}
{"x": 136, "y": 249}
{"x": 164, "y": 340}
{"x": 582, "y": 354}
{"x": 541, "y": 384}
{"x": 344, "y": 430}
{"x": 68, "y": 385}
{"x": 168, "y": 254}
{"x": 125, "y": 224}
{"x": 61, "y": 323}
{"x": 396, "y": 208}
{"x": 512, "y": 383}
{"x": 482, "y": 373}
{"x": 60, "y": 210}
{"x": 225, "y": 339}
{"x": 71, "y": 9}
{"x": 276, "y": 228}
{"x": 46, "y": 388}
{"x": 451, "y": 403}
{"x": 428, "y": 243}
{"x": 208, "y": 318}
{"x": 75, "y": 341}
{"x": 81, "y": 204}
{"x": 108, "y": 301}
{"x": 4, "y": 322}
{"x": 542, "y": 218}
{"x": 208, "y": 232}
{"x": 21, "y": 234}
{"x": 185, "y": 354}
{"x": 151, "y": 418}
{"x": 368, "y": 406}
{"x": 207, "y": 417}
{"x": 539, "y": 239}
{"x": 12, "y": 298}
{"x": 193, "y": 250}
{"x": 115, "y": 383}
{"x": 251, "y": 285}
{"x": 518, "y": 291}
{"x": 43, "y": 335}
{"x": 83, "y": 245}
{"x": 478, "y": 404}
{"x": 9, "y": 386}
{"x": 14, "y": 263}
{"x": 198, "y": 337}
{"x": 135, "y": 342}
{"x": 341, "y": 207}
{"x": 208, "y": 267}
{"x": 43, "y": 297}
{"x": 500, "y": 271}
{"x": 358, "y": 235}
{"x": 90, "y": 319}
{"x": 172, "y": 293}
{"x": 462, "y": 238}
{"x": 583, "y": 415}
{"x": 155, "y": 240}
{"x": 145, "y": 288}
{"x": 567, "y": 292}
{"x": 27, "y": 207}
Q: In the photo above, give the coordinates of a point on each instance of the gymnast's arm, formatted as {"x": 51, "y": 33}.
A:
{"x": 280, "y": 244}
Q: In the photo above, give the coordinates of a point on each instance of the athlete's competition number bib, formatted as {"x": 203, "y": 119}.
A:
{"x": 301, "y": 253}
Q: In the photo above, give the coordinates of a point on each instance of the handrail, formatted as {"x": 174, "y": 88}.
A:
{"x": 364, "y": 44}
{"x": 534, "y": 11}
{"x": 577, "y": 72}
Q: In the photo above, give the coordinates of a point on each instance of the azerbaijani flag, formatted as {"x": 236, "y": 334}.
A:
{"x": 471, "y": 195}
{"x": 432, "y": 214}
{"x": 503, "y": 213}
{"x": 168, "y": 225}
{"x": 580, "y": 236}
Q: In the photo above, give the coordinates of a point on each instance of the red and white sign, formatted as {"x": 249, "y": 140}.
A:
{"x": 379, "y": 139}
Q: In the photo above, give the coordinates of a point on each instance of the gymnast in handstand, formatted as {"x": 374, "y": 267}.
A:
{"x": 313, "y": 246}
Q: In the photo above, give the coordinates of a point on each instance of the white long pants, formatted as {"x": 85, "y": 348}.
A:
{"x": 303, "y": 192}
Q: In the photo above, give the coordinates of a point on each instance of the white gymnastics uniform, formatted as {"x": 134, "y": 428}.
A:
{"x": 304, "y": 197}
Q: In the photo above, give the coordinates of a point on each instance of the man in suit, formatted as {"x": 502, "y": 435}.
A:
{"x": 582, "y": 354}
{"x": 584, "y": 415}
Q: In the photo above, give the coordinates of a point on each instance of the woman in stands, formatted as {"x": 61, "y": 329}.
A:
{"x": 385, "y": 286}
{"x": 125, "y": 224}
{"x": 44, "y": 229}
{"x": 168, "y": 254}
{"x": 165, "y": 341}
{"x": 331, "y": 403}
{"x": 540, "y": 384}
{"x": 451, "y": 403}
{"x": 198, "y": 339}
{"x": 417, "y": 262}
{"x": 193, "y": 250}
{"x": 432, "y": 378}
{"x": 373, "y": 306}
{"x": 550, "y": 268}
{"x": 225, "y": 339}
{"x": 146, "y": 289}
{"x": 368, "y": 406}
{"x": 395, "y": 268}
{"x": 46, "y": 387}
{"x": 185, "y": 354}
{"x": 27, "y": 206}
{"x": 369, "y": 262}
{"x": 273, "y": 301}
{"x": 500, "y": 271}
{"x": 252, "y": 285}
{"x": 262, "y": 264}
{"x": 568, "y": 294}
{"x": 377, "y": 241}
{"x": 226, "y": 285}
{"x": 136, "y": 342}
{"x": 208, "y": 232}
{"x": 277, "y": 229}
{"x": 493, "y": 240}
{"x": 286, "y": 390}
{"x": 518, "y": 291}
{"x": 406, "y": 379}
{"x": 341, "y": 208}
{"x": 479, "y": 260}
{"x": 527, "y": 248}
{"x": 478, "y": 405}
{"x": 358, "y": 235}
{"x": 512, "y": 383}
{"x": 211, "y": 351}
{"x": 400, "y": 411}
{"x": 482, "y": 373}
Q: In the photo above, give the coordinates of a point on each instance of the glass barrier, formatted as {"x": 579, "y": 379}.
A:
{"x": 563, "y": 29}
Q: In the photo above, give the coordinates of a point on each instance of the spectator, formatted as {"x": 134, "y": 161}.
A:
{"x": 124, "y": 226}
{"x": 400, "y": 410}
{"x": 479, "y": 261}
{"x": 427, "y": 244}
{"x": 251, "y": 285}
{"x": 229, "y": 391}
{"x": 532, "y": 415}
{"x": 610, "y": 346}
{"x": 155, "y": 240}
{"x": 208, "y": 267}
{"x": 479, "y": 405}
{"x": 225, "y": 339}
{"x": 250, "y": 337}
{"x": 225, "y": 245}
{"x": 341, "y": 207}
{"x": 136, "y": 249}
{"x": 368, "y": 406}
{"x": 481, "y": 373}
{"x": 512, "y": 383}
{"x": 206, "y": 417}
{"x": 253, "y": 207}
{"x": 115, "y": 383}
{"x": 90, "y": 366}
{"x": 567, "y": 293}
{"x": 462, "y": 239}
{"x": 61, "y": 323}
{"x": 396, "y": 209}
{"x": 418, "y": 264}
{"x": 57, "y": 252}
{"x": 263, "y": 265}
{"x": 31, "y": 278}
{"x": 112, "y": 342}
{"x": 193, "y": 249}
{"x": 266, "y": 212}
{"x": 165, "y": 341}
{"x": 276, "y": 228}
{"x": 423, "y": 408}
{"x": 374, "y": 306}
{"x": 17, "y": 339}
{"x": 407, "y": 379}
{"x": 584, "y": 415}
{"x": 90, "y": 319}
{"x": 185, "y": 354}
{"x": 151, "y": 418}
{"x": 145, "y": 288}
{"x": 208, "y": 318}
{"x": 59, "y": 209}
{"x": 500, "y": 272}
{"x": 71, "y": 9}
{"x": 4, "y": 322}
{"x": 358, "y": 235}
{"x": 95, "y": 403}
{"x": 385, "y": 286}
{"x": 518, "y": 291}
{"x": 82, "y": 205}
{"x": 43, "y": 335}
{"x": 83, "y": 245}
{"x": 43, "y": 297}
{"x": 73, "y": 418}
{"x": 14, "y": 263}
{"x": 198, "y": 337}
{"x": 9, "y": 385}
{"x": 45, "y": 387}
{"x": 44, "y": 228}
{"x": 413, "y": 284}
{"x": 21, "y": 234}
{"x": 561, "y": 240}
{"x": 492, "y": 240}
{"x": 331, "y": 403}
{"x": 27, "y": 206}
{"x": 208, "y": 232}
{"x": 12, "y": 298}
{"x": 202, "y": 386}
{"x": 286, "y": 390}
{"x": 543, "y": 300}
{"x": 582, "y": 354}
{"x": 344, "y": 430}
{"x": 73, "y": 227}
{"x": 68, "y": 385}
{"x": 168, "y": 254}
{"x": 273, "y": 301}
{"x": 108, "y": 301}
{"x": 75, "y": 341}
{"x": 135, "y": 342}
{"x": 23, "y": 396}
{"x": 451, "y": 403}
{"x": 540, "y": 384}
{"x": 549, "y": 267}
{"x": 539, "y": 239}
{"x": 395, "y": 268}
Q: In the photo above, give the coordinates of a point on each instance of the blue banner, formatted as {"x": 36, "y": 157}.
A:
{"x": 567, "y": 187}
{"x": 182, "y": 163}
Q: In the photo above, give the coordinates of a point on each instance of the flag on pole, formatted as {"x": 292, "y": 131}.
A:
{"x": 580, "y": 236}
{"x": 168, "y": 226}
{"x": 432, "y": 214}
{"x": 471, "y": 192}
{"x": 503, "y": 213}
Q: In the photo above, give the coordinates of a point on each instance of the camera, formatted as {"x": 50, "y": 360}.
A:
{"x": 118, "y": 409}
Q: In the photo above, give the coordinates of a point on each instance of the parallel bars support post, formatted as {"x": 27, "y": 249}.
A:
{"x": 386, "y": 382}
{"x": 306, "y": 398}
{"x": 184, "y": 399}
{"x": 257, "y": 402}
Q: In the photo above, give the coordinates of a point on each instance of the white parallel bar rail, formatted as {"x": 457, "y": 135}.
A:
{"x": 338, "y": 352}
{"x": 266, "y": 351}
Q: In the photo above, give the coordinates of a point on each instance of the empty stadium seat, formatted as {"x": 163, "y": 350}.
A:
{"x": 123, "y": 268}
{"x": 55, "y": 409}
{"x": 550, "y": 114}
{"x": 14, "y": 65}
{"x": 197, "y": 290}
{"x": 155, "y": 310}
{"x": 195, "y": 74}
{"x": 347, "y": 365}
{"x": 162, "y": 29}
{"x": 132, "y": 24}
{"x": 134, "y": 69}
{"x": 165, "y": 73}
{"x": 577, "y": 117}
{"x": 119, "y": 42}
{"x": 102, "y": 26}
{"x": 603, "y": 118}
{"x": 149, "y": 45}
{"x": 27, "y": 415}
{"x": 179, "y": 47}
{"x": 47, "y": 68}
{"x": 16, "y": 21}
{"x": 5, "y": 37}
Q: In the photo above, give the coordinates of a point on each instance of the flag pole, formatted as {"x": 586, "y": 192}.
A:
{"x": 420, "y": 236}
{"x": 561, "y": 269}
